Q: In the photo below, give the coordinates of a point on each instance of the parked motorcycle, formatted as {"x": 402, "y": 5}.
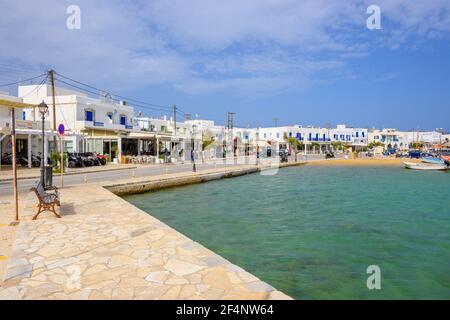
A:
{"x": 23, "y": 160}
{"x": 74, "y": 160}
{"x": 329, "y": 155}
{"x": 283, "y": 155}
{"x": 93, "y": 158}
{"x": 87, "y": 161}
{"x": 101, "y": 158}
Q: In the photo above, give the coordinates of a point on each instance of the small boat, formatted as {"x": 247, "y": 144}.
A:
{"x": 432, "y": 160}
{"x": 422, "y": 166}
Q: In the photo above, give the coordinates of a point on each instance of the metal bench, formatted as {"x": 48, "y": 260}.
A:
{"x": 47, "y": 200}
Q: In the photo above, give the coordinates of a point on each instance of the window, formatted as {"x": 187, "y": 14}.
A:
{"x": 357, "y": 134}
{"x": 278, "y": 134}
{"x": 110, "y": 116}
{"x": 89, "y": 115}
{"x": 123, "y": 120}
{"x": 24, "y": 115}
{"x": 68, "y": 146}
{"x": 362, "y": 134}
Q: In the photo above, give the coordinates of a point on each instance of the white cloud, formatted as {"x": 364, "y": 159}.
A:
{"x": 206, "y": 46}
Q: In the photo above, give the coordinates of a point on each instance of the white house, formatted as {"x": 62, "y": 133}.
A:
{"x": 28, "y": 132}
{"x": 92, "y": 124}
{"x": 177, "y": 142}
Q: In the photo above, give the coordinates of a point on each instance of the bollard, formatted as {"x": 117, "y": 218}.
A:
{"x": 85, "y": 178}
{"x": 133, "y": 174}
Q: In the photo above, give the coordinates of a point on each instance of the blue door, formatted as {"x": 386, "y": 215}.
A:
{"x": 123, "y": 120}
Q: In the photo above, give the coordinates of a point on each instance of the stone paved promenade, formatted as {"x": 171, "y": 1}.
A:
{"x": 105, "y": 248}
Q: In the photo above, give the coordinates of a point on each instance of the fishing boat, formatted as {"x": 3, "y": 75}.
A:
{"x": 422, "y": 166}
{"x": 432, "y": 160}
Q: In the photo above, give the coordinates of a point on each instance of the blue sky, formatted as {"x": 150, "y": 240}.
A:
{"x": 304, "y": 62}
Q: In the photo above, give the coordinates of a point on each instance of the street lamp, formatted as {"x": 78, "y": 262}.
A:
{"x": 194, "y": 169}
{"x": 43, "y": 108}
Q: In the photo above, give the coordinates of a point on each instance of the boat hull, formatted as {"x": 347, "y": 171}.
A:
{"x": 428, "y": 167}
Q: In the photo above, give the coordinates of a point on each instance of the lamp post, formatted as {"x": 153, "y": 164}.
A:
{"x": 194, "y": 169}
{"x": 43, "y": 108}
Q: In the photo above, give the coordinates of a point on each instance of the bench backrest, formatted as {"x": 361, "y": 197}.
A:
{"x": 40, "y": 190}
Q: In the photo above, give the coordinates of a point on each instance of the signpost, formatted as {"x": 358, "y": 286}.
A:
{"x": 61, "y": 131}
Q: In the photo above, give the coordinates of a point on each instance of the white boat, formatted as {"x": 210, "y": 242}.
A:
{"x": 422, "y": 166}
{"x": 432, "y": 160}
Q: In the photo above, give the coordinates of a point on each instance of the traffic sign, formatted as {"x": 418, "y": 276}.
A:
{"x": 61, "y": 129}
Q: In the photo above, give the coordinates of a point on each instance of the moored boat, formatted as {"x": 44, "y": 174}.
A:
{"x": 432, "y": 160}
{"x": 422, "y": 166}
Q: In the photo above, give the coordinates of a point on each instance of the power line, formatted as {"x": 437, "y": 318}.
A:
{"x": 116, "y": 95}
{"x": 36, "y": 88}
{"x": 18, "y": 82}
{"x": 116, "y": 100}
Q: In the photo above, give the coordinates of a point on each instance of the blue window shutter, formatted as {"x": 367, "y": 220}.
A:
{"x": 357, "y": 134}
{"x": 123, "y": 120}
{"x": 89, "y": 116}
{"x": 24, "y": 115}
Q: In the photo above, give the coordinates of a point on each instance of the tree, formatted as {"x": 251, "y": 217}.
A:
{"x": 416, "y": 145}
{"x": 337, "y": 145}
{"x": 294, "y": 143}
{"x": 207, "y": 139}
{"x": 375, "y": 144}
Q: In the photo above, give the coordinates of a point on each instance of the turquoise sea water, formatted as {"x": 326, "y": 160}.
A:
{"x": 312, "y": 231}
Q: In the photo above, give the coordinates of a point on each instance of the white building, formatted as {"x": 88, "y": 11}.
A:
{"x": 178, "y": 143}
{"x": 403, "y": 140}
{"x": 28, "y": 132}
{"x": 92, "y": 125}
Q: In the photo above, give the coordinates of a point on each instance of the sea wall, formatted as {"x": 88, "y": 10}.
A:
{"x": 142, "y": 186}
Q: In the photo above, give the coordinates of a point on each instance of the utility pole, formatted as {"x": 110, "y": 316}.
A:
{"x": 230, "y": 129}
{"x": 230, "y": 120}
{"x": 175, "y": 119}
{"x": 276, "y": 121}
{"x": 51, "y": 75}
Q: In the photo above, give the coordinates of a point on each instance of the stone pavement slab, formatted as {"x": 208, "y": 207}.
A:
{"x": 105, "y": 248}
